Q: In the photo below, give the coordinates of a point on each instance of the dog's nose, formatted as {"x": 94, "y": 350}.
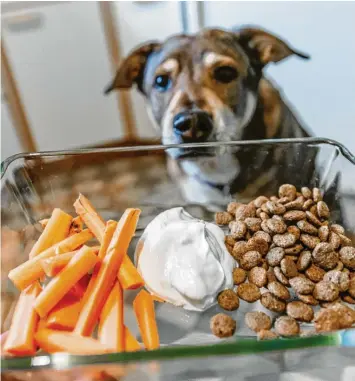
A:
{"x": 193, "y": 126}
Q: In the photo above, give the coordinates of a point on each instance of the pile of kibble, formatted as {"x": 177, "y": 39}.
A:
{"x": 291, "y": 258}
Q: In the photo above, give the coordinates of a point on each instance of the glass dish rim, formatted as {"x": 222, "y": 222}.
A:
{"x": 75, "y": 152}
{"x": 236, "y": 347}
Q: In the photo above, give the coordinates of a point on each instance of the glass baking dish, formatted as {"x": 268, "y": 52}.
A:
{"x": 116, "y": 178}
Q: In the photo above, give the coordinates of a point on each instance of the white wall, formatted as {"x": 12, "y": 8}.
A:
{"x": 322, "y": 89}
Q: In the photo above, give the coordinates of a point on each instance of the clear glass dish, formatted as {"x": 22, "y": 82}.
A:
{"x": 117, "y": 178}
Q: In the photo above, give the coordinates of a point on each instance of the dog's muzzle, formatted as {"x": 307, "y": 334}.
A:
{"x": 192, "y": 126}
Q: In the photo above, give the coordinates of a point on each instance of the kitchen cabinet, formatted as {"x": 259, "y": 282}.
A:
{"x": 59, "y": 60}
{"x": 321, "y": 89}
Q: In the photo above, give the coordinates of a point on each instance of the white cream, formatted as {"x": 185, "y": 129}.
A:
{"x": 184, "y": 260}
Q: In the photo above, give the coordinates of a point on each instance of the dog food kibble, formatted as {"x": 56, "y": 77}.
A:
{"x": 223, "y": 325}
{"x": 257, "y": 276}
{"x": 324, "y": 256}
{"x": 238, "y": 229}
{"x": 272, "y": 303}
{"x": 286, "y": 326}
{"x": 275, "y": 255}
{"x": 257, "y": 321}
{"x": 302, "y": 285}
{"x": 248, "y": 292}
{"x": 228, "y": 300}
{"x": 326, "y": 291}
{"x": 347, "y": 256}
{"x": 287, "y": 244}
{"x": 265, "y": 334}
{"x": 223, "y": 218}
{"x": 300, "y": 311}
{"x": 279, "y": 290}
{"x": 315, "y": 273}
{"x": 250, "y": 259}
{"x": 288, "y": 267}
{"x": 341, "y": 279}
{"x": 239, "y": 276}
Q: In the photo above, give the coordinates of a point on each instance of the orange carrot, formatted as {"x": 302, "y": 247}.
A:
{"x": 60, "y": 341}
{"x": 20, "y": 340}
{"x": 111, "y": 328}
{"x": 131, "y": 343}
{"x": 143, "y": 305}
{"x": 128, "y": 275}
{"x": 97, "y": 292}
{"x": 79, "y": 288}
{"x": 89, "y": 215}
{"x": 76, "y": 226}
{"x": 55, "y": 231}
{"x": 41, "y": 324}
{"x": 31, "y": 270}
{"x": 83, "y": 261}
{"x": 106, "y": 238}
{"x": 65, "y": 314}
{"x": 53, "y": 265}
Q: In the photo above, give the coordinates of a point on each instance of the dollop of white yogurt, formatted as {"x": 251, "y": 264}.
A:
{"x": 184, "y": 260}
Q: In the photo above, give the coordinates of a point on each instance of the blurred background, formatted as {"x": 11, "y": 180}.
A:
{"x": 57, "y": 57}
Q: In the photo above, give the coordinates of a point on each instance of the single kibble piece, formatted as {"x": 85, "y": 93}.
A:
{"x": 324, "y": 256}
{"x": 294, "y": 231}
{"x": 253, "y": 224}
{"x": 276, "y": 226}
{"x": 272, "y": 303}
{"x": 270, "y": 275}
{"x": 286, "y": 326}
{"x": 223, "y": 218}
{"x": 322, "y": 210}
{"x": 306, "y": 192}
{"x": 294, "y": 250}
{"x": 259, "y": 201}
{"x": 288, "y": 190}
{"x": 312, "y": 218}
{"x": 341, "y": 279}
{"x": 326, "y": 320}
{"x": 294, "y": 215}
{"x": 307, "y": 205}
{"x": 239, "y": 276}
{"x": 323, "y": 233}
{"x": 284, "y": 240}
{"x": 257, "y": 276}
{"x": 344, "y": 241}
{"x": 262, "y": 235}
{"x": 238, "y": 229}
{"x": 248, "y": 292}
{"x": 336, "y": 228}
{"x": 232, "y": 207}
{"x": 280, "y": 276}
{"x": 317, "y": 195}
{"x": 308, "y": 299}
{"x": 275, "y": 207}
{"x": 296, "y": 204}
{"x": 229, "y": 240}
{"x": 279, "y": 290}
{"x": 300, "y": 311}
{"x": 275, "y": 255}
{"x": 258, "y": 244}
{"x": 239, "y": 249}
{"x": 347, "y": 256}
{"x": 257, "y": 321}
{"x": 346, "y": 315}
{"x": 222, "y": 325}
{"x": 228, "y": 300}
{"x": 309, "y": 240}
{"x": 250, "y": 259}
{"x": 304, "y": 260}
{"x": 315, "y": 273}
{"x": 326, "y": 291}
{"x": 245, "y": 211}
{"x": 334, "y": 240}
{"x": 265, "y": 334}
{"x": 288, "y": 267}
{"x": 302, "y": 285}
{"x": 306, "y": 227}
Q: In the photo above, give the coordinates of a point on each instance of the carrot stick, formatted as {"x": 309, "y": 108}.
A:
{"x": 97, "y": 292}
{"x": 20, "y": 340}
{"x": 55, "y": 231}
{"x": 143, "y": 305}
{"x": 111, "y": 328}
{"x": 106, "y": 238}
{"x": 60, "y": 341}
{"x": 41, "y": 324}
{"x": 76, "y": 226}
{"x": 131, "y": 343}
{"x": 128, "y": 275}
{"x": 83, "y": 261}
{"x": 53, "y": 265}
{"x": 31, "y": 270}
{"x": 89, "y": 215}
{"x": 65, "y": 314}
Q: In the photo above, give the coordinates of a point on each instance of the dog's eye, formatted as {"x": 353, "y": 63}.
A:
{"x": 162, "y": 82}
{"x": 225, "y": 74}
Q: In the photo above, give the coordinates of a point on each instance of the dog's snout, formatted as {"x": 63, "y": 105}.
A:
{"x": 193, "y": 126}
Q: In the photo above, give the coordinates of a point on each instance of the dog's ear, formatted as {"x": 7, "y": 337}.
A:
{"x": 264, "y": 47}
{"x": 131, "y": 70}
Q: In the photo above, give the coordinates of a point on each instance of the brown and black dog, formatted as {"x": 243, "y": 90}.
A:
{"x": 210, "y": 87}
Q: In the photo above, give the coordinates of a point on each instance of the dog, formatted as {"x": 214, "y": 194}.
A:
{"x": 210, "y": 87}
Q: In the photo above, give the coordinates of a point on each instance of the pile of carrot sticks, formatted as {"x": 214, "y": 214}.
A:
{"x": 70, "y": 290}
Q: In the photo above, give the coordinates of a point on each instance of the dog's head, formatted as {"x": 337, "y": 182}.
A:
{"x": 202, "y": 87}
